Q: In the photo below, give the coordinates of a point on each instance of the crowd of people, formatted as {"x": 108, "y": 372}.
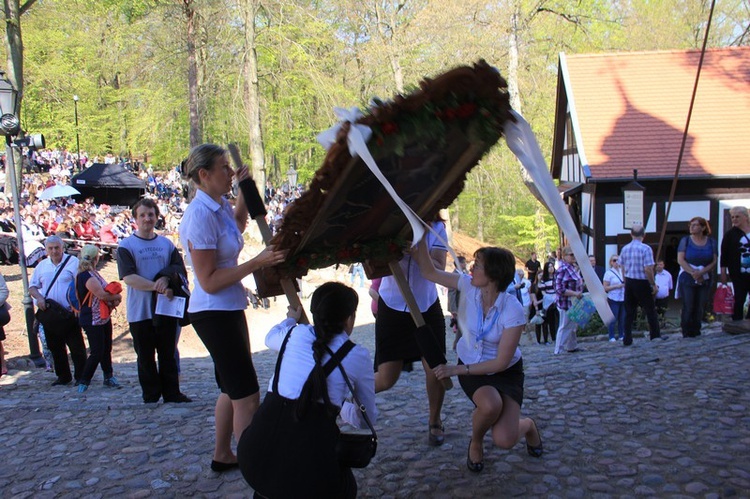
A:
{"x": 317, "y": 363}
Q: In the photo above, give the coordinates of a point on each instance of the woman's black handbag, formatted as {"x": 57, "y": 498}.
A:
{"x": 355, "y": 449}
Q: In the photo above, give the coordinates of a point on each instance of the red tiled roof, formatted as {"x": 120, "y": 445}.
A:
{"x": 632, "y": 109}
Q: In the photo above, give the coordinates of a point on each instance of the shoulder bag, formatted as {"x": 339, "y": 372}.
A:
{"x": 55, "y": 312}
{"x": 353, "y": 449}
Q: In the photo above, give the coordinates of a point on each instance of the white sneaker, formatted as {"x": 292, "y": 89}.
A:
{"x": 612, "y": 340}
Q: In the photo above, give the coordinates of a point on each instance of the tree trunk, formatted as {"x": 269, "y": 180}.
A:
{"x": 392, "y": 45}
{"x": 252, "y": 91}
{"x": 196, "y": 127}
{"x": 515, "y": 97}
{"x": 14, "y": 50}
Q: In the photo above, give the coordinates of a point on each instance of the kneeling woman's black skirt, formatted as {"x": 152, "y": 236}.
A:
{"x": 508, "y": 382}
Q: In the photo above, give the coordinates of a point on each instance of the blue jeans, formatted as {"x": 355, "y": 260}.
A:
{"x": 618, "y": 310}
{"x": 694, "y": 298}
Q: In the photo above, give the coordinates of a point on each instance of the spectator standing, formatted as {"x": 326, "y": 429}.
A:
{"x": 614, "y": 285}
{"x": 533, "y": 266}
{"x": 146, "y": 261}
{"x": 697, "y": 256}
{"x": 568, "y": 285}
{"x": 61, "y": 333}
{"x": 358, "y": 271}
{"x": 735, "y": 259}
{"x": 90, "y": 291}
{"x": 637, "y": 261}
{"x": 663, "y": 280}
{"x": 549, "y": 297}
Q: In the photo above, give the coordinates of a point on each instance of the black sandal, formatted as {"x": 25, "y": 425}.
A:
{"x": 473, "y": 467}
{"x": 435, "y": 440}
{"x": 538, "y": 450}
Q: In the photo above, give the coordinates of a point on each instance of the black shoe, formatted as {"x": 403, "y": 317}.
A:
{"x": 60, "y": 382}
{"x": 473, "y": 467}
{"x": 179, "y": 399}
{"x": 535, "y": 450}
{"x": 435, "y": 440}
{"x": 220, "y": 467}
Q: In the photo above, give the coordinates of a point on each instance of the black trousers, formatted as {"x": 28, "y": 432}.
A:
{"x": 638, "y": 292}
{"x": 150, "y": 341}
{"x": 100, "y": 351}
{"x": 68, "y": 334}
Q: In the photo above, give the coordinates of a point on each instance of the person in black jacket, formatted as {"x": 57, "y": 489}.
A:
{"x": 735, "y": 258}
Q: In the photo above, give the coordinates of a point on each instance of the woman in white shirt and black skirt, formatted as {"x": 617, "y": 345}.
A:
{"x": 490, "y": 368}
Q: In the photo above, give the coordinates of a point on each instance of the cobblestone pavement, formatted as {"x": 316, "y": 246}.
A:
{"x": 662, "y": 418}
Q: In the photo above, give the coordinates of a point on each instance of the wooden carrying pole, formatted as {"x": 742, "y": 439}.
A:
{"x": 426, "y": 341}
{"x": 265, "y": 231}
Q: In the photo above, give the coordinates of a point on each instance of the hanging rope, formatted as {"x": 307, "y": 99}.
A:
{"x": 685, "y": 133}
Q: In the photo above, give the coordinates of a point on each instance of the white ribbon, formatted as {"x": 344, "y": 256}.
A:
{"x": 522, "y": 142}
{"x": 357, "y": 141}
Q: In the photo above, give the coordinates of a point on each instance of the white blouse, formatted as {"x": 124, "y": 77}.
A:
{"x": 298, "y": 363}
{"x": 481, "y": 334}
{"x": 208, "y": 225}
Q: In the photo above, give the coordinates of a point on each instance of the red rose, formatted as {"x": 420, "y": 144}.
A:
{"x": 389, "y": 128}
{"x": 450, "y": 114}
{"x": 466, "y": 110}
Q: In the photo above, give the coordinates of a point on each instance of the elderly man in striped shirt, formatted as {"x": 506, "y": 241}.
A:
{"x": 637, "y": 262}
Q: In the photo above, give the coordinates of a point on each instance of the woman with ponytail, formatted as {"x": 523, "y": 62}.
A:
{"x": 289, "y": 449}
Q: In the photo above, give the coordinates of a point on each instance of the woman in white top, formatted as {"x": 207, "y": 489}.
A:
{"x": 490, "y": 368}
{"x": 289, "y": 449}
{"x": 614, "y": 285}
{"x": 211, "y": 236}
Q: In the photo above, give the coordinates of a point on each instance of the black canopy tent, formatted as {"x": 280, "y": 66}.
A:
{"x": 109, "y": 184}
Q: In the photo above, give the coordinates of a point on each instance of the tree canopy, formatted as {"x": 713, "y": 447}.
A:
{"x": 128, "y": 62}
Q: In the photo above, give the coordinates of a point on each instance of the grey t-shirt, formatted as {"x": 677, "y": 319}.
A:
{"x": 146, "y": 258}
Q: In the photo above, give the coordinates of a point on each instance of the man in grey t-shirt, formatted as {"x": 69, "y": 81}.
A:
{"x": 141, "y": 259}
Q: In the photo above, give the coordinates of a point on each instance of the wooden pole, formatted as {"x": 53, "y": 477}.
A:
{"x": 430, "y": 349}
{"x": 265, "y": 231}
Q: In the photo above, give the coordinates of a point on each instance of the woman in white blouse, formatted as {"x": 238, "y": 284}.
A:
{"x": 289, "y": 449}
{"x": 211, "y": 236}
{"x": 614, "y": 285}
{"x": 490, "y": 368}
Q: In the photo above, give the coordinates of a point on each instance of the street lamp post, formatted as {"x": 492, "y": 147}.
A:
{"x": 10, "y": 126}
{"x": 78, "y": 142}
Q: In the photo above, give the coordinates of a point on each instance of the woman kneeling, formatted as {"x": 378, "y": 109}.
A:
{"x": 490, "y": 368}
